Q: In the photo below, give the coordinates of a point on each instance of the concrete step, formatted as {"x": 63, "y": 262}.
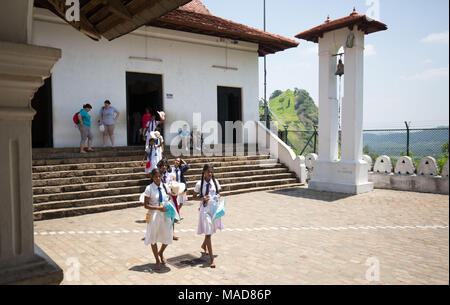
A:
{"x": 134, "y": 156}
{"x": 58, "y": 155}
{"x": 77, "y": 211}
{"x": 142, "y": 175}
{"x": 113, "y": 193}
{"x": 93, "y": 190}
{"x": 193, "y": 163}
{"x": 145, "y": 181}
{"x": 248, "y": 165}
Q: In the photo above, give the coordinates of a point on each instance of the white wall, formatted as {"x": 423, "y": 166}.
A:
{"x": 90, "y": 72}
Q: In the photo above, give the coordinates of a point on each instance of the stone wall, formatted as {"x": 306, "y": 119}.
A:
{"x": 404, "y": 176}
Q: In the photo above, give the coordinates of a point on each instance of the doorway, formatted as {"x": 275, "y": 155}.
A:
{"x": 229, "y": 108}
{"x": 143, "y": 91}
{"x": 42, "y": 124}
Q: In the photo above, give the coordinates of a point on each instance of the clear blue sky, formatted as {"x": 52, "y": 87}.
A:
{"x": 406, "y": 67}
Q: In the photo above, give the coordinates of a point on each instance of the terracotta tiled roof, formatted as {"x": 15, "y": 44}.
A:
{"x": 208, "y": 24}
{"x": 196, "y": 6}
{"x": 363, "y": 22}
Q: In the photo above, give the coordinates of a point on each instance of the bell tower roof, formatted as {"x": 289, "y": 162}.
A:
{"x": 364, "y": 23}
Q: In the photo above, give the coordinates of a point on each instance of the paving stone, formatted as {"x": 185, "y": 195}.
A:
{"x": 314, "y": 254}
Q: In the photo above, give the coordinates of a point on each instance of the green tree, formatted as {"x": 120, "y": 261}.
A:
{"x": 275, "y": 94}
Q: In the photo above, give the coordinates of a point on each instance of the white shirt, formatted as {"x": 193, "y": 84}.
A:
{"x": 212, "y": 188}
{"x": 151, "y": 125}
{"x": 168, "y": 177}
{"x": 151, "y": 191}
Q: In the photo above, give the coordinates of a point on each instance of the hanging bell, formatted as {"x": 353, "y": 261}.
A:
{"x": 340, "y": 68}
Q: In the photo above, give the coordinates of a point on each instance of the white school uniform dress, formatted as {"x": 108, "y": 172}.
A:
{"x": 153, "y": 158}
{"x": 151, "y": 125}
{"x": 182, "y": 198}
{"x": 159, "y": 149}
{"x": 205, "y": 224}
{"x": 160, "y": 229}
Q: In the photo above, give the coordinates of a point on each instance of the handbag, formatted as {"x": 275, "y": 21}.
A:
{"x": 102, "y": 128}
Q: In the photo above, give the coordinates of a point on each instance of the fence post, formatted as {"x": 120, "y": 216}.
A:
{"x": 266, "y": 114}
{"x": 285, "y": 136}
{"x": 407, "y": 138}
{"x": 315, "y": 139}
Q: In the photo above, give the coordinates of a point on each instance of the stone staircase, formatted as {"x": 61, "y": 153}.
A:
{"x": 66, "y": 183}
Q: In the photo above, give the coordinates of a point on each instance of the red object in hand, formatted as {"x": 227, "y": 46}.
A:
{"x": 148, "y": 164}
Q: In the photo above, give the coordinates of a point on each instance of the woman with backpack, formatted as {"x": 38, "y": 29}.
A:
{"x": 83, "y": 121}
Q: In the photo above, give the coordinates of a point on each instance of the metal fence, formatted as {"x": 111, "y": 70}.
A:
{"x": 417, "y": 143}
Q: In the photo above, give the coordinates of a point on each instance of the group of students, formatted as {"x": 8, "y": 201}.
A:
{"x": 168, "y": 186}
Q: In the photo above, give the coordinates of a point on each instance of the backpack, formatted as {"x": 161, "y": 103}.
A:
{"x": 75, "y": 118}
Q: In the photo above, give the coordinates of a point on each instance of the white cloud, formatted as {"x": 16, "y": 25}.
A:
{"x": 436, "y": 37}
{"x": 428, "y": 61}
{"x": 369, "y": 50}
{"x": 430, "y": 74}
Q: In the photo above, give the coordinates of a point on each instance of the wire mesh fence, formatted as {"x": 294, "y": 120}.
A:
{"x": 416, "y": 143}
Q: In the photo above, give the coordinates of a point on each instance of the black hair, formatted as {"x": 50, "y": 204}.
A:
{"x": 162, "y": 162}
{"x": 156, "y": 171}
{"x": 205, "y": 168}
{"x": 87, "y": 106}
{"x": 108, "y": 102}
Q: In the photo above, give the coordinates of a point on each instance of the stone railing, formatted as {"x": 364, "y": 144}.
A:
{"x": 272, "y": 144}
{"x": 404, "y": 176}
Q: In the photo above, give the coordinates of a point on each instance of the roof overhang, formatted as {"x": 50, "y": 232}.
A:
{"x": 208, "y": 24}
{"x": 363, "y": 23}
{"x": 112, "y": 18}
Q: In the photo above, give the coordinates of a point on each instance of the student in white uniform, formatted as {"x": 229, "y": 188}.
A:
{"x": 159, "y": 227}
{"x": 179, "y": 169}
{"x": 150, "y": 158}
{"x": 207, "y": 191}
{"x": 159, "y": 144}
{"x": 163, "y": 166}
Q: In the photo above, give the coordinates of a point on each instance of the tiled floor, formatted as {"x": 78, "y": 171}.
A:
{"x": 294, "y": 236}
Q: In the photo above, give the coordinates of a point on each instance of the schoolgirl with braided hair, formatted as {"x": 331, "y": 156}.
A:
{"x": 159, "y": 227}
{"x": 207, "y": 191}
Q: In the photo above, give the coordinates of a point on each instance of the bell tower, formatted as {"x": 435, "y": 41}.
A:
{"x": 349, "y": 173}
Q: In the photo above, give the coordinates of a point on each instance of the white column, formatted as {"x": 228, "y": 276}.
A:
{"x": 23, "y": 68}
{"x": 328, "y": 108}
{"x": 352, "y": 105}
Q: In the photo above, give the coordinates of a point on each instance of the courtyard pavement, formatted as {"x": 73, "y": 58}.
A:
{"x": 293, "y": 236}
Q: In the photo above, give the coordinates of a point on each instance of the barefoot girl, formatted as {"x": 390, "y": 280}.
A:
{"x": 159, "y": 227}
{"x": 206, "y": 191}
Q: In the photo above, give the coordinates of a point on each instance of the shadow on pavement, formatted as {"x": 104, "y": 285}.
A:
{"x": 311, "y": 194}
{"x": 150, "y": 268}
{"x": 189, "y": 260}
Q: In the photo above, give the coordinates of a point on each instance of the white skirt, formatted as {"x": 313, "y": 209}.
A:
{"x": 159, "y": 230}
{"x": 205, "y": 224}
{"x": 152, "y": 166}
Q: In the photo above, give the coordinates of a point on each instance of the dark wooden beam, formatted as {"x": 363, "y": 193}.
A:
{"x": 117, "y": 7}
{"x": 59, "y": 8}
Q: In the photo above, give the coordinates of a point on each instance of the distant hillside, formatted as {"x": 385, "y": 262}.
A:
{"x": 295, "y": 109}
